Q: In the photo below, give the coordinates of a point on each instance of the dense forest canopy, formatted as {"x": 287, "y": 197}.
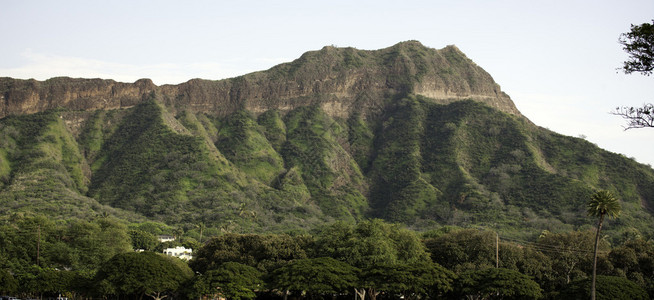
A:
{"x": 372, "y": 259}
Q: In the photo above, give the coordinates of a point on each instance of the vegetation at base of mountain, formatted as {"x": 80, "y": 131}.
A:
{"x": 377, "y": 259}
{"x": 77, "y": 244}
{"x": 380, "y": 250}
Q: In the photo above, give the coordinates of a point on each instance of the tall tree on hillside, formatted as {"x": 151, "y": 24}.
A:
{"x": 639, "y": 44}
{"x": 601, "y": 204}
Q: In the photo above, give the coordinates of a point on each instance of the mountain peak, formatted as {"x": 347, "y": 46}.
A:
{"x": 342, "y": 80}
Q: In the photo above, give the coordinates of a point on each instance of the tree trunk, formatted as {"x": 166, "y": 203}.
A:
{"x": 372, "y": 293}
{"x": 361, "y": 293}
{"x": 597, "y": 238}
{"x": 158, "y": 296}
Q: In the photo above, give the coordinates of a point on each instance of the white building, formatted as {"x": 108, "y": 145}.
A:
{"x": 165, "y": 238}
{"x": 180, "y": 252}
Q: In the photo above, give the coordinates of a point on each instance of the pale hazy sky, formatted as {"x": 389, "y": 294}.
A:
{"x": 556, "y": 59}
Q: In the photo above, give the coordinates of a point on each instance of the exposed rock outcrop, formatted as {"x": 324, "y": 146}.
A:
{"x": 341, "y": 80}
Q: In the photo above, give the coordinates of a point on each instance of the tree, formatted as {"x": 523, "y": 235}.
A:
{"x": 144, "y": 273}
{"x": 411, "y": 281}
{"x": 639, "y": 44}
{"x": 368, "y": 245}
{"x": 37, "y": 280}
{"x": 570, "y": 253}
{"x": 463, "y": 249}
{"x": 97, "y": 241}
{"x": 231, "y": 279}
{"x": 264, "y": 252}
{"x": 635, "y": 260}
{"x": 318, "y": 276}
{"x": 601, "y": 204}
{"x": 143, "y": 240}
{"x": 609, "y": 287}
{"x": 497, "y": 283}
{"x": 8, "y": 284}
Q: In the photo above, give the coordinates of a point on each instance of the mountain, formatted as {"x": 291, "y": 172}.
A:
{"x": 340, "y": 80}
{"x": 408, "y": 133}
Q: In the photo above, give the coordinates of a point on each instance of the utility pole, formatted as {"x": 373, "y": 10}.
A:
{"x": 497, "y": 250}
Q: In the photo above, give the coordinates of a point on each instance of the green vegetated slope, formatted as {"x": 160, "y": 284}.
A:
{"x": 349, "y": 135}
{"x": 466, "y": 163}
{"x": 420, "y": 163}
{"x": 42, "y": 170}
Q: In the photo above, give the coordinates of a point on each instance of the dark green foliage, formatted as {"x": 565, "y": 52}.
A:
{"x": 144, "y": 273}
{"x": 360, "y": 138}
{"x": 143, "y": 240}
{"x": 608, "y": 287}
{"x": 571, "y": 254}
{"x": 8, "y": 284}
{"x": 264, "y": 252}
{"x": 274, "y": 128}
{"x": 463, "y": 249}
{"x": 400, "y": 193}
{"x": 231, "y": 280}
{"x": 154, "y": 228}
{"x": 316, "y": 276}
{"x": 639, "y": 44}
{"x": 47, "y": 280}
{"x": 78, "y": 245}
{"x": 369, "y": 243}
{"x": 496, "y": 283}
{"x": 412, "y": 281}
{"x": 635, "y": 261}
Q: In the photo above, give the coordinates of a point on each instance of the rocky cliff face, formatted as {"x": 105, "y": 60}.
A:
{"x": 341, "y": 80}
{"x": 30, "y": 96}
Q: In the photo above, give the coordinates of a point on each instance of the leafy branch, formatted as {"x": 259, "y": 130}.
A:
{"x": 637, "y": 117}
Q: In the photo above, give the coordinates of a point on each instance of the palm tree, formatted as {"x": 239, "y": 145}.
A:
{"x": 601, "y": 204}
